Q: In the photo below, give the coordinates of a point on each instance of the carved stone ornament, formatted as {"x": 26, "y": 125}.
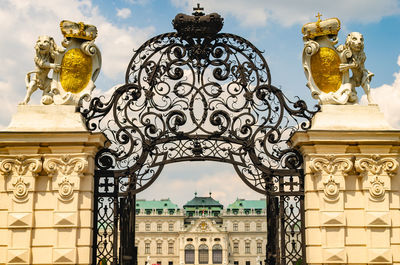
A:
{"x": 377, "y": 189}
{"x": 373, "y": 168}
{"x": 20, "y": 189}
{"x": 19, "y": 168}
{"x": 65, "y": 170}
{"x": 66, "y": 188}
{"x": 75, "y": 67}
{"x": 66, "y": 165}
{"x": 327, "y": 67}
{"x": 331, "y": 190}
{"x": 329, "y": 167}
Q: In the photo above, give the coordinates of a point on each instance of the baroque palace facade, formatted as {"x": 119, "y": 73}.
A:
{"x": 202, "y": 232}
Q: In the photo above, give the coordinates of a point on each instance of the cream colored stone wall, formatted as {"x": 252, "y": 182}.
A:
{"x": 46, "y": 191}
{"x": 352, "y": 188}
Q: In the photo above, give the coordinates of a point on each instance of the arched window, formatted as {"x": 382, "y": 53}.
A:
{"x": 189, "y": 254}
{"x": 217, "y": 254}
{"x": 203, "y": 254}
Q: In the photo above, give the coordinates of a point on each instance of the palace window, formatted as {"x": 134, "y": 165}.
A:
{"x": 147, "y": 248}
{"x": 203, "y": 254}
{"x": 217, "y": 254}
{"x": 170, "y": 227}
{"x": 136, "y": 227}
{"x": 159, "y": 248}
{"x": 235, "y": 247}
{"x": 147, "y": 226}
{"x": 259, "y": 248}
{"x": 189, "y": 254}
{"x": 170, "y": 248}
{"x": 247, "y": 227}
{"x": 258, "y": 227}
{"x": 235, "y": 226}
{"x": 159, "y": 227}
{"x": 247, "y": 247}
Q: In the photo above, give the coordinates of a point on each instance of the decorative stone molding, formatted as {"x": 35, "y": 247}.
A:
{"x": 374, "y": 168}
{"x": 19, "y": 219}
{"x": 379, "y": 256}
{"x": 65, "y": 169}
{"x": 378, "y": 219}
{"x": 332, "y": 218}
{"x": 376, "y": 165}
{"x": 64, "y": 219}
{"x": 66, "y": 188}
{"x": 20, "y": 189}
{"x": 329, "y": 167}
{"x": 18, "y": 256}
{"x": 334, "y": 255}
{"x": 64, "y": 256}
{"x": 67, "y": 165}
{"x": 19, "y": 168}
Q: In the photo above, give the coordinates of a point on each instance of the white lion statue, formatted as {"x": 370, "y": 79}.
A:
{"x": 361, "y": 76}
{"x": 46, "y": 51}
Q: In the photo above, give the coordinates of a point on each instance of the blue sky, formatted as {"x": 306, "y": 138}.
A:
{"x": 273, "y": 26}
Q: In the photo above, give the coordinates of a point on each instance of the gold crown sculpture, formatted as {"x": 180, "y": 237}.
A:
{"x": 330, "y": 26}
{"x": 78, "y": 30}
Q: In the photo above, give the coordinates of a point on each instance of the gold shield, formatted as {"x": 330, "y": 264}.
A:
{"x": 325, "y": 70}
{"x": 76, "y": 70}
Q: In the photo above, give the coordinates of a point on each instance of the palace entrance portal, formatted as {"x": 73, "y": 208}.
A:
{"x": 197, "y": 95}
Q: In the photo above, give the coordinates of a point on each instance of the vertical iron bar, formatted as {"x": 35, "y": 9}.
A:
{"x": 303, "y": 218}
{"x": 95, "y": 236}
{"x": 116, "y": 211}
{"x": 282, "y": 257}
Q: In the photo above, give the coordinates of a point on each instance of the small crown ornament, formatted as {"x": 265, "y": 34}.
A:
{"x": 78, "y": 30}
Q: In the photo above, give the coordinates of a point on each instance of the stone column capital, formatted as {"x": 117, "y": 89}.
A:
{"x": 20, "y": 165}
{"x": 331, "y": 164}
{"x": 21, "y": 169}
{"x": 377, "y": 165}
{"x": 72, "y": 165}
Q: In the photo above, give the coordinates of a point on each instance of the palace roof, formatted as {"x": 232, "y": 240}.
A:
{"x": 248, "y": 204}
{"x": 161, "y": 204}
{"x": 201, "y": 202}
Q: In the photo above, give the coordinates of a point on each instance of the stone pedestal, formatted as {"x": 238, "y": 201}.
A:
{"x": 352, "y": 186}
{"x": 46, "y": 187}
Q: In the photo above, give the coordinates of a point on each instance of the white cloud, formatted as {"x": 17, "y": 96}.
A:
{"x": 123, "y": 12}
{"x": 290, "y": 12}
{"x": 23, "y": 21}
{"x": 388, "y": 99}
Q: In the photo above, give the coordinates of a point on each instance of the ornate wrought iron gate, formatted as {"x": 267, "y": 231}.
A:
{"x": 197, "y": 95}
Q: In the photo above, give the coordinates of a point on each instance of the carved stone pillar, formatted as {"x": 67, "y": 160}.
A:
{"x": 376, "y": 172}
{"x": 352, "y": 184}
{"x": 46, "y": 187}
{"x": 17, "y": 198}
{"x": 329, "y": 174}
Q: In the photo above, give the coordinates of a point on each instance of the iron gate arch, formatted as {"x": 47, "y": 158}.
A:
{"x": 196, "y": 95}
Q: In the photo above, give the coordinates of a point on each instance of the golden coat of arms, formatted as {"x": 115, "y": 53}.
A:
{"x": 327, "y": 66}
{"x": 80, "y": 64}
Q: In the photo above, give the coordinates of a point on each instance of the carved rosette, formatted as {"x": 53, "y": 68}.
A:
{"x": 65, "y": 170}
{"x": 66, "y": 188}
{"x": 375, "y": 169}
{"x": 330, "y": 167}
{"x": 21, "y": 169}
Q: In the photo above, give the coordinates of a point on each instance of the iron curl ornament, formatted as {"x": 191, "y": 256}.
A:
{"x": 191, "y": 98}
{"x": 198, "y": 95}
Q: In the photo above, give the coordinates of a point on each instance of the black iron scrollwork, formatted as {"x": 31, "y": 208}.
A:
{"x": 198, "y": 99}
{"x": 195, "y": 95}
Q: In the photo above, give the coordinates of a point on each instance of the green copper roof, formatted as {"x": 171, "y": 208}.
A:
{"x": 161, "y": 204}
{"x": 248, "y": 204}
{"x": 203, "y": 202}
